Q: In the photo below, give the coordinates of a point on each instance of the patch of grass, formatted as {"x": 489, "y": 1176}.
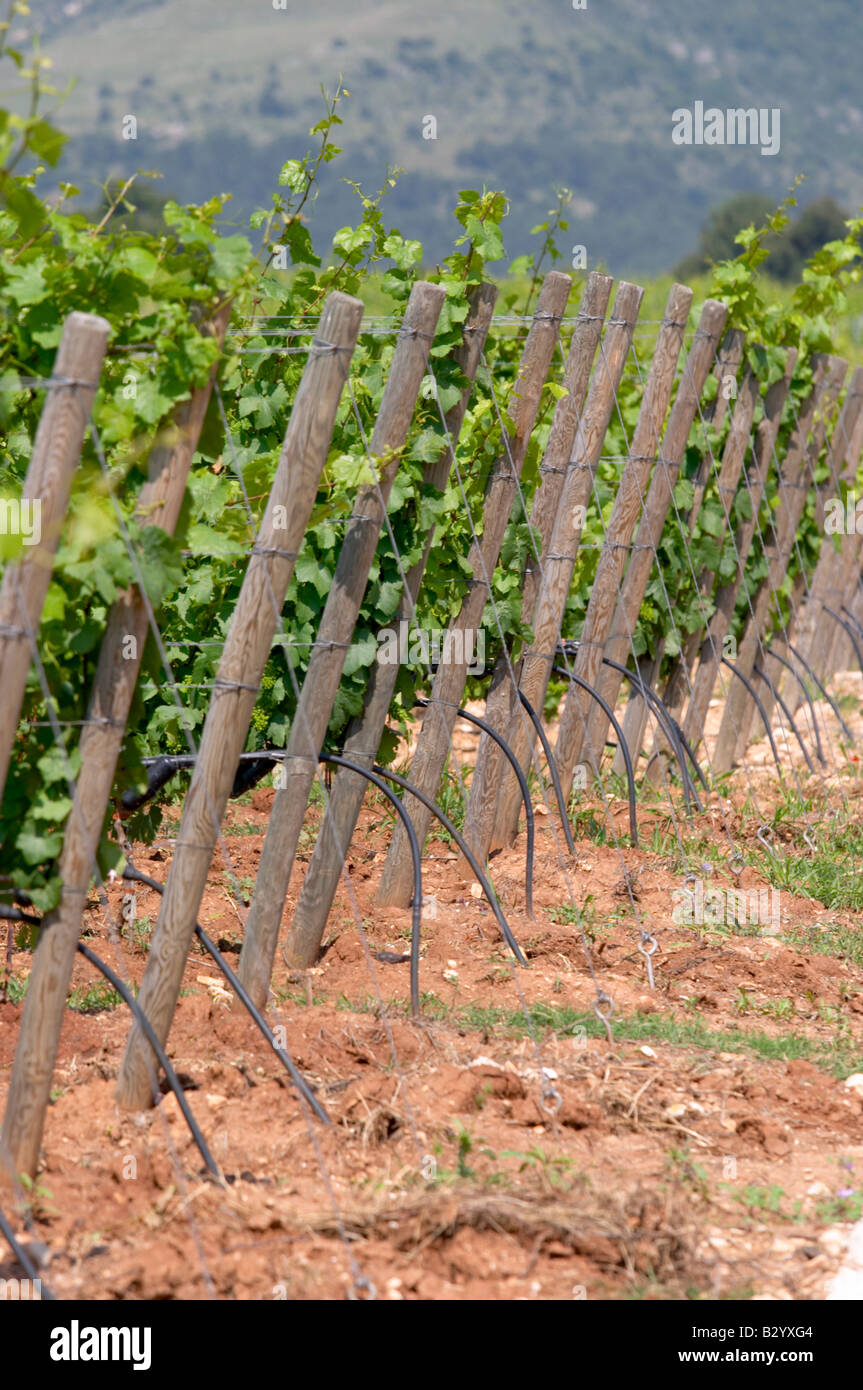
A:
{"x": 94, "y": 999}
{"x": 15, "y": 988}
{"x": 833, "y": 876}
{"x": 845, "y": 942}
{"x": 840, "y": 1058}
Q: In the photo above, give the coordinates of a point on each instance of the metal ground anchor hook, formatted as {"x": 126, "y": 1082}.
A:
{"x": 647, "y": 937}
{"x": 765, "y": 835}
{"x": 810, "y": 839}
{"x": 736, "y": 864}
{"x": 551, "y": 1099}
{"x": 362, "y": 1290}
{"x": 604, "y": 1001}
{"x": 689, "y": 878}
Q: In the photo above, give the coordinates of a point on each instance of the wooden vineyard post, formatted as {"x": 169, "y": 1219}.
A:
{"x": 657, "y": 503}
{"x": 432, "y": 749}
{"x": 636, "y": 715}
{"x": 643, "y": 449}
{"x": 787, "y": 519}
{"x": 733, "y": 457}
{"x": 559, "y": 562}
{"x": 839, "y": 653}
{"x": 814, "y": 638}
{"x": 101, "y": 740}
{"x": 835, "y": 446}
{"x": 828, "y": 376}
{"x": 56, "y": 450}
{"x": 712, "y": 647}
{"x": 366, "y": 731}
{"x": 244, "y": 657}
{"x": 479, "y": 820}
{"x": 320, "y": 687}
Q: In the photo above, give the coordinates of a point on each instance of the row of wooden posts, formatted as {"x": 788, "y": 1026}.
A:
{"x": 568, "y": 470}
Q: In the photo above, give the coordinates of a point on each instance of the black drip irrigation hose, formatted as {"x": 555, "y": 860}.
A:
{"x": 135, "y": 876}
{"x": 525, "y": 796}
{"x": 852, "y": 618}
{"x": 552, "y": 767}
{"x": 761, "y": 710}
{"x": 824, "y": 691}
{"x": 187, "y": 760}
{"x": 621, "y": 741}
{"x": 466, "y": 851}
{"x": 401, "y": 811}
{"x": 762, "y": 675}
{"x": 144, "y": 1023}
{"x": 669, "y": 726}
{"x": 850, "y": 631}
{"x": 783, "y": 661}
{"x": 24, "y": 1261}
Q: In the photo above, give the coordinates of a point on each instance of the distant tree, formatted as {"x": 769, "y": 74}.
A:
{"x": 822, "y": 221}
{"x": 716, "y": 238}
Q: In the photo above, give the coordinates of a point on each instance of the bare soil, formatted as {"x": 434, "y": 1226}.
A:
{"x": 713, "y": 1150}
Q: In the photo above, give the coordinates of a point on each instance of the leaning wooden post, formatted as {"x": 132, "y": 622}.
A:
{"x": 680, "y": 681}
{"x": 101, "y": 741}
{"x": 643, "y": 449}
{"x": 848, "y": 590}
{"x": 244, "y": 657}
{"x": 366, "y": 731}
{"x": 816, "y": 629}
{"x": 320, "y": 687}
{"x": 559, "y": 561}
{"x": 636, "y": 715}
{"x": 433, "y": 746}
{"x": 713, "y": 645}
{"x": 44, "y": 498}
{"x": 699, "y": 360}
{"x": 731, "y": 730}
{"x": 835, "y": 444}
{"x": 499, "y": 708}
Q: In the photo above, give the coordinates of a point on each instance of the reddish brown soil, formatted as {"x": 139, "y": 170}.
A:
{"x": 670, "y": 1169}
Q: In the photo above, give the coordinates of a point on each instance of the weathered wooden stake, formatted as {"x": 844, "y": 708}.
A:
{"x": 500, "y": 702}
{"x": 713, "y": 646}
{"x": 320, "y": 687}
{"x": 559, "y": 561}
{"x": 735, "y": 723}
{"x": 816, "y": 629}
{"x": 101, "y": 740}
{"x": 433, "y": 744}
{"x": 699, "y": 360}
{"x": 605, "y": 590}
{"x": 366, "y": 731}
{"x": 56, "y": 450}
{"x": 244, "y": 657}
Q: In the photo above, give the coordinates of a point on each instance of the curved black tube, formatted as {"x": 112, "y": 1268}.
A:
{"x": 783, "y": 661}
{"x": 852, "y": 618}
{"x": 135, "y": 876}
{"x": 525, "y": 795}
{"x": 24, "y": 1260}
{"x": 552, "y": 767}
{"x": 262, "y": 762}
{"x": 850, "y": 631}
{"x": 144, "y": 1023}
{"x": 466, "y": 851}
{"x": 650, "y": 697}
{"x": 401, "y": 811}
{"x": 757, "y": 670}
{"x": 761, "y": 710}
{"x": 621, "y": 742}
{"x": 816, "y": 682}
